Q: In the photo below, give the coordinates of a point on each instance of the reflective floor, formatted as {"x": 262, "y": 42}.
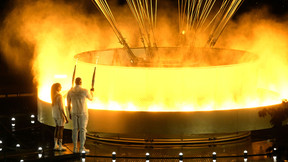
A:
{"x": 25, "y": 139}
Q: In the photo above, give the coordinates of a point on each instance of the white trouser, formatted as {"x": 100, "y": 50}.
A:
{"x": 79, "y": 124}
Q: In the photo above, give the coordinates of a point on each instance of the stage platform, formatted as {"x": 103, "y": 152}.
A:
{"x": 21, "y": 142}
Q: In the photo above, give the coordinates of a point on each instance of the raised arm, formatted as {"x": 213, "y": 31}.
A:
{"x": 90, "y": 94}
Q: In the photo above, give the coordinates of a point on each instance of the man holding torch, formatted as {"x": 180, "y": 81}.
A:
{"x": 77, "y": 96}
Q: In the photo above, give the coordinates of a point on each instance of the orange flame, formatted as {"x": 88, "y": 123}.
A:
{"x": 59, "y": 31}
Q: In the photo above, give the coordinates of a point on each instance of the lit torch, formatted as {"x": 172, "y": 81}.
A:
{"x": 74, "y": 72}
{"x": 93, "y": 77}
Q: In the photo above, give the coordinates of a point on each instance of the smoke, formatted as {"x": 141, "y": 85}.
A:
{"x": 38, "y": 35}
{"x": 43, "y": 36}
{"x": 266, "y": 36}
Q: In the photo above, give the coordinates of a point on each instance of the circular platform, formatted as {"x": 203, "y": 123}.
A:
{"x": 158, "y": 127}
{"x": 196, "y": 102}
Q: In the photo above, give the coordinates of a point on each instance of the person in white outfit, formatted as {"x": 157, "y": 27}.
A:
{"x": 59, "y": 115}
{"x": 77, "y": 96}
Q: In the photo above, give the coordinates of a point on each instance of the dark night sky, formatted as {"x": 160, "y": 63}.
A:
{"x": 10, "y": 78}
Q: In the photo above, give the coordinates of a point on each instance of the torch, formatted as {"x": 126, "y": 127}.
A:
{"x": 93, "y": 77}
{"x": 73, "y": 77}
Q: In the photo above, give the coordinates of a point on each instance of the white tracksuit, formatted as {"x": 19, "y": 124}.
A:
{"x": 58, "y": 112}
{"x": 78, "y": 97}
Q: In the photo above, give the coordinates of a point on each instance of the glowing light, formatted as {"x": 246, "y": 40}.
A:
{"x": 157, "y": 90}
{"x": 214, "y": 155}
{"x": 114, "y": 106}
{"x": 187, "y": 108}
{"x": 180, "y": 156}
{"x": 18, "y": 145}
{"x": 131, "y": 107}
{"x": 245, "y": 154}
{"x": 163, "y": 89}
{"x": 183, "y": 32}
{"x": 147, "y": 156}
{"x": 60, "y": 76}
{"x": 113, "y": 155}
{"x": 54, "y": 45}
{"x": 32, "y": 116}
{"x": 155, "y": 108}
{"x": 13, "y": 119}
{"x": 274, "y": 158}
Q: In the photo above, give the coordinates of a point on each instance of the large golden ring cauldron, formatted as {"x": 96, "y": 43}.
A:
{"x": 221, "y": 67}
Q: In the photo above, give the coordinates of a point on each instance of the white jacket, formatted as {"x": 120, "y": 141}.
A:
{"x": 78, "y": 97}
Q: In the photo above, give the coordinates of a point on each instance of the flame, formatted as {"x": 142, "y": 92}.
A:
{"x": 186, "y": 89}
{"x": 58, "y": 31}
{"x": 171, "y": 89}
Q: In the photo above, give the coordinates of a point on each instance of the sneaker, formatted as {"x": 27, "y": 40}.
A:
{"x": 84, "y": 150}
{"x": 75, "y": 150}
{"x": 61, "y": 148}
{"x": 56, "y": 148}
